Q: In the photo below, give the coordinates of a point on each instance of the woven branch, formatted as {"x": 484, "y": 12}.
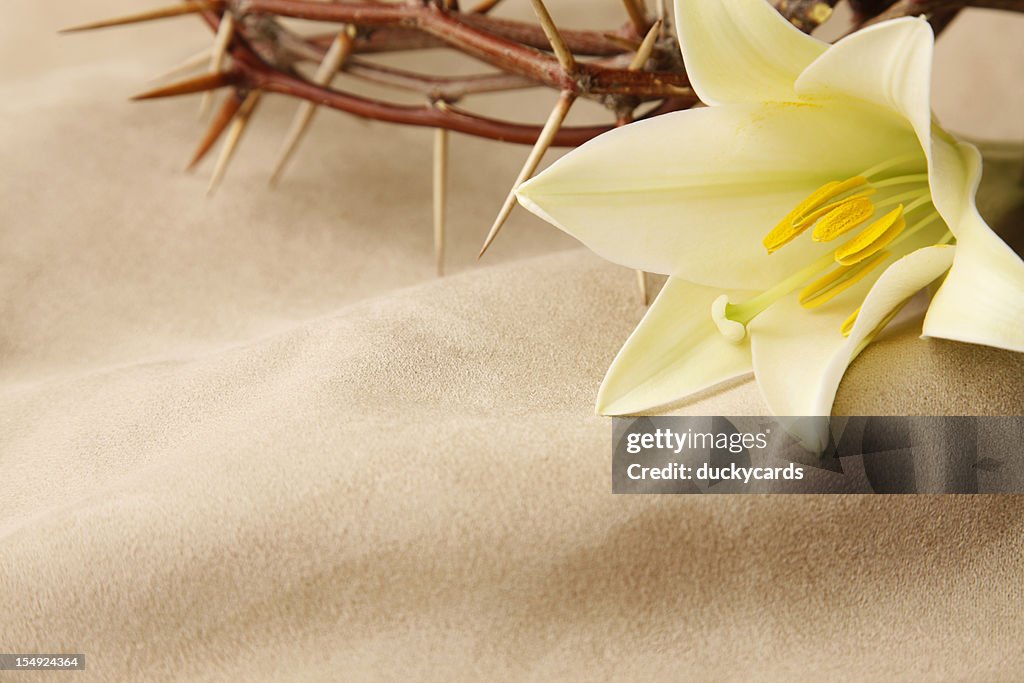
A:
{"x": 634, "y": 70}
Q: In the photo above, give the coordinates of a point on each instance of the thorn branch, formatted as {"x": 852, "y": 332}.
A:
{"x": 227, "y": 112}
{"x": 641, "y": 280}
{"x": 150, "y": 15}
{"x": 558, "y": 45}
{"x": 637, "y": 15}
{"x": 332, "y": 62}
{"x": 547, "y": 134}
{"x": 194, "y": 62}
{"x": 218, "y": 53}
{"x": 440, "y": 195}
{"x": 231, "y": 141}
{"x": 643, "y": 53}
{"x": 189, "y": 85}
{"x": 484, "y": 7}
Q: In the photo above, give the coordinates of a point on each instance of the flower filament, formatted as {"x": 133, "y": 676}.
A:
{"x": 834, "y": 210}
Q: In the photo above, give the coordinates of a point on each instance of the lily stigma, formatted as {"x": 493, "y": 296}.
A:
{"x": 833, "y": 211}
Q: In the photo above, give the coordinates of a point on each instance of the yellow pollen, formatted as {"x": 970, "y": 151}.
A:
{"x": 808, "y": 220}
{"x": 838, "y": 281}
{"x": 808, "y": 211}
{"x": 873, "y": 239}
{"x": 848, "y": 324}
{"x": 843, "y": 218}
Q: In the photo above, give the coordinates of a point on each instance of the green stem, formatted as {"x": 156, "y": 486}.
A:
{"x": 747, "y": 310}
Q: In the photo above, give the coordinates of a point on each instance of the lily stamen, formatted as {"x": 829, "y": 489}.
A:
{"x": 917, "y": 227}
{"x": 818, "y": 204}
{"x": 902, "y": 180}
{"x": 838, "y": 281}
{"x": 834, "y": 209}
{"x": 918, "y": 203}
{"x": 891, "y": 163}
{"x": 843, "y": 219}
{"x": 873, "y": 239}
{"x": 902, "y": 198}
{"x": 837, "y": 207}
{"x": 847, "y": 327}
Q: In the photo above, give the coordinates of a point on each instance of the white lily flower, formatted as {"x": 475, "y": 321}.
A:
{"x": 805, "y": 143}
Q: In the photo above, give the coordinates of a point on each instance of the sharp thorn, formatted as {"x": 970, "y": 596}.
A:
{"x": 440, "y": 194}
{"x": 150, "y": 15}
{"x": 641, "y": 280}
{"x": 188, "y": 86}
{"x": 336, "y": 56}
{"x": 643, "y": 53}
{"x": 558, "y": 45}
{"x": 204, "y": 105}
{"x": 218, "y": 52}
{"x": 300, "y": 123}
{"x": 637, "y": 15}
{"x": 231, "y": 141}
{"x": 193, "y": 62}
{"x": 547, "y": 134}
{"x": 227, "y": 112}
{"x": 623, "y": 42}
{"x": 484, "y": 7}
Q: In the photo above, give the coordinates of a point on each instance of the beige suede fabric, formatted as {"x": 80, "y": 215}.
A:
{"x": 253, "y": 438}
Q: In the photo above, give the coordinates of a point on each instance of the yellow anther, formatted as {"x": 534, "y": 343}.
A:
{"x": 838, "y": 281}
{"x": 808, "y": 211}
{"x": 846, "y": 216}
{"x": 847, "y": 185}
{"x": 808, "y": 220}
{"x": 873, "y": 239}
{"x": 791, "y": 226}
{"x": 814, "y": 207}
{"x": 848, "y": 324}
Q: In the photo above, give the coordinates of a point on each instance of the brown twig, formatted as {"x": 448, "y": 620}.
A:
{"x": 452, "y": 118}
{"x": 939, "y": 11}
{"x": 399, "y": 26}
{"x": 449, "y": 89}
{"x": 503, "y": 53}
{"x": 629, "y": 69}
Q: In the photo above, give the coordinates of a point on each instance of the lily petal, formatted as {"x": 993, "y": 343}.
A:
{"x": 741, "y": 50}
{"x": 982, "y": 298}
{"x": 692, "y": 194}
{"x": 799, "y": 356}
{"x": 675, "y": 351}
{"x": 888, "y": 65}
{"x": 953, "y": 178}
{"x": 791, "y": 347}
{"x": 903, "y": 279}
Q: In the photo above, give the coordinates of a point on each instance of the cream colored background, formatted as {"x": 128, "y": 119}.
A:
{"x": 253, "y": 438}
